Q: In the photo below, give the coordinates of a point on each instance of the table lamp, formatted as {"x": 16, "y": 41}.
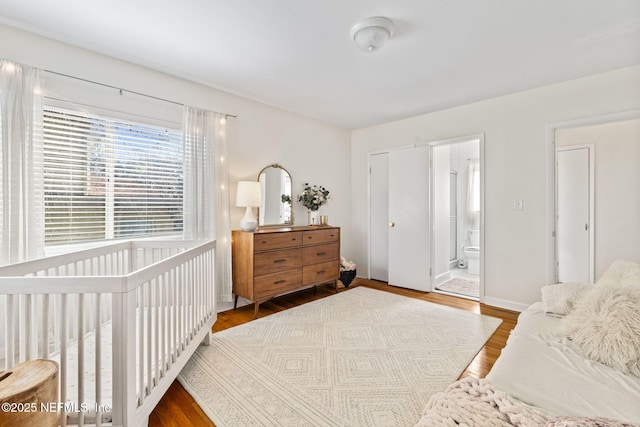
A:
{"x": 249, "y": 195}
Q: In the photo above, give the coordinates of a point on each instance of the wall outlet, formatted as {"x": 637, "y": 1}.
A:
{"x": 518, "y": 204}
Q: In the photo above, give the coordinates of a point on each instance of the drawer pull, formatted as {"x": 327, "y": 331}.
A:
{"x": 278, "y": 261}
{"x": 321, "y": 253}
{"x": 277, "y": 282}
{"x": 321, "y": 272}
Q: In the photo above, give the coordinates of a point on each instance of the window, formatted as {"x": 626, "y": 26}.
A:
{"x": 110, "y": 179}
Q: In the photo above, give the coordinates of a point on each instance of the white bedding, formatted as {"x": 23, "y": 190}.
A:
{"x": 542, "y": 368}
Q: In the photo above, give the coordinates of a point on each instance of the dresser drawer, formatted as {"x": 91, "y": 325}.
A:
{"x": 321, "y": 236}
{"x": 320, "y": 253}
{"x": 262, "y": 242}
{"x": 274, "y": 261}
{"x": 277, "y": 283}
{"x": 319, "y": 273}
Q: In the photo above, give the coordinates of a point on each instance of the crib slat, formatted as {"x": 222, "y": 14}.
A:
{"x": 201, "y": 298}
{"x": 21, "y": 328}
{"x": 147, "y": 336}
{"x": 183, "y": 315}
{"x": 192, "y": 306}
{"x": 98, "y": 359}
{"x": 174, "y": 316}
{"x": 28, "y": 329}
{"x": 189, "y": 305}
{"x": 9, "y": 338}
{"x": 156, "y": 323}
{"x": 63, "y": 357}
{"x": 195, "y": 272}
{"x": 44, "y": 329}
{"x": 140, "y": 344}
{"x": 81, "y": 356}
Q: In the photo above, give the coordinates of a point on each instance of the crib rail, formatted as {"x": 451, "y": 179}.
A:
{"x": 116, "y": 318}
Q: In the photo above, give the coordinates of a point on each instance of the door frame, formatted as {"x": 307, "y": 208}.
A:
{"x": 432, "y": 144}
{"x": 592, "y": 205}
{"x": 552, "y": 256}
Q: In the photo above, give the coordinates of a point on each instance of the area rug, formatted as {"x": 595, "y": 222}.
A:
{"x": 461, "y": 286}
{"x": 362, "y": 357}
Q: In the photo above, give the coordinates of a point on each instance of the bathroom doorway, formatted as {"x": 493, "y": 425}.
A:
{"x": 456, "y": 217}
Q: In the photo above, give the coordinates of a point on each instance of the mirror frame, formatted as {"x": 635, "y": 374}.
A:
{"x": 284, "y": 224}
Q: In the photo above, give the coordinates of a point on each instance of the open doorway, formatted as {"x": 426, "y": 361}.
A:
{"x": 456, "y": 213}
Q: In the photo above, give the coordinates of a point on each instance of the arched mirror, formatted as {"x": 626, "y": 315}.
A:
{"x": 276, "y": 208}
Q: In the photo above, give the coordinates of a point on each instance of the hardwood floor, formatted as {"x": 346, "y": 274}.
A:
{"x": 177, "y": 407}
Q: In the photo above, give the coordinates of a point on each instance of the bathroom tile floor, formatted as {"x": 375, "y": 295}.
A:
{"x": 462, "y": 273}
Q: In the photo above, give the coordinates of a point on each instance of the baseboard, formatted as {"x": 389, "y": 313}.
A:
{"x": 224, "y": 306}
{"x": 441, "y": 278}
{"x": 506, "y": 304}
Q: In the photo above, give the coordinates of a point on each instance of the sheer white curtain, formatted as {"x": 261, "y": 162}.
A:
{"x": 21, "y": 174}
{"x": 206, "y": 189}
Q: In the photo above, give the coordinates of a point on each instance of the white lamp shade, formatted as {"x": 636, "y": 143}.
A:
{"x": 372, "y": 33}
{"x": 249, "y": 194}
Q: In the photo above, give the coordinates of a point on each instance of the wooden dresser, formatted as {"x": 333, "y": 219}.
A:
{"x": 273, "y": 261}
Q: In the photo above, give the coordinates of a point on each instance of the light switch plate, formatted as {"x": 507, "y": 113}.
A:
{"x": 518, "y": 204}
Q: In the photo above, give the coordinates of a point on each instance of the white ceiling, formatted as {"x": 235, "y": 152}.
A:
{"x": 298, "y": 55}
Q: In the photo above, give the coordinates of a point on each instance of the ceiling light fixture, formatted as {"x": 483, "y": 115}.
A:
{"x": 372, "y": 33}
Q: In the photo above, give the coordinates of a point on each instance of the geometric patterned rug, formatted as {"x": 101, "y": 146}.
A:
{"x": 461, "y": 286}
{"x": 362, "y": 357}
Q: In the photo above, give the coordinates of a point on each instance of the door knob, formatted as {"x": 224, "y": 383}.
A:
{"x": 392, "y": 224}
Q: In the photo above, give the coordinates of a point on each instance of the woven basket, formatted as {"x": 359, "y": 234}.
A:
{"x": 346, "y": 277}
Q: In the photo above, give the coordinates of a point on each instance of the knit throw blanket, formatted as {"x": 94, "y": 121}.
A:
{"x": 473, "y": 402}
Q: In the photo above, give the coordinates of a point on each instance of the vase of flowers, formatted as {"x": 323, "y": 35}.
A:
{"x": 312, "y": 197}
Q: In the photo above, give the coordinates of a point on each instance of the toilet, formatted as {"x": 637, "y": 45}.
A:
{"x": 472, "y": 252}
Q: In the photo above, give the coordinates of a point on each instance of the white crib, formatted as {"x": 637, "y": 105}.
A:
{"x": 121, "y": 320}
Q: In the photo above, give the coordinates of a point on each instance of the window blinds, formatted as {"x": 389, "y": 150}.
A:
{"x": 110, "y": 179}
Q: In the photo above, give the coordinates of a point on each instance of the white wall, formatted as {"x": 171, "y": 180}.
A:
{"x": 617, "y": 188}
{"x": 516, "y": 166}
{"x": 261, "y": 135}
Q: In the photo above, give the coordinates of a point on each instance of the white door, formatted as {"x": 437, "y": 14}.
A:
{"x": 573, "y": 209}
{"x": 409, "y": 257}
{"x": 379, "y": 216}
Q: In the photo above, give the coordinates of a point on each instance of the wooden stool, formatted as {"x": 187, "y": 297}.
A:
{"x": 22, "y": 391}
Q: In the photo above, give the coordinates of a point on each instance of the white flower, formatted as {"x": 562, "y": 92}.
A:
{"x": 346, "y": 265}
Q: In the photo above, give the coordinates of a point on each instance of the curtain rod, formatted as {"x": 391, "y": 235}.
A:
{"x": 127, "y": 90}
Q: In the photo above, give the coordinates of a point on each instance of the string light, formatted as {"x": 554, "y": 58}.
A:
{"x": 9, "y": 67}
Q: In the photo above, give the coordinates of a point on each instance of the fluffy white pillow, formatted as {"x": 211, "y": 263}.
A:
{"x": 621, "y": 273}
{"x": 605, "y": 325}
{"x": 561, "y": 297}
